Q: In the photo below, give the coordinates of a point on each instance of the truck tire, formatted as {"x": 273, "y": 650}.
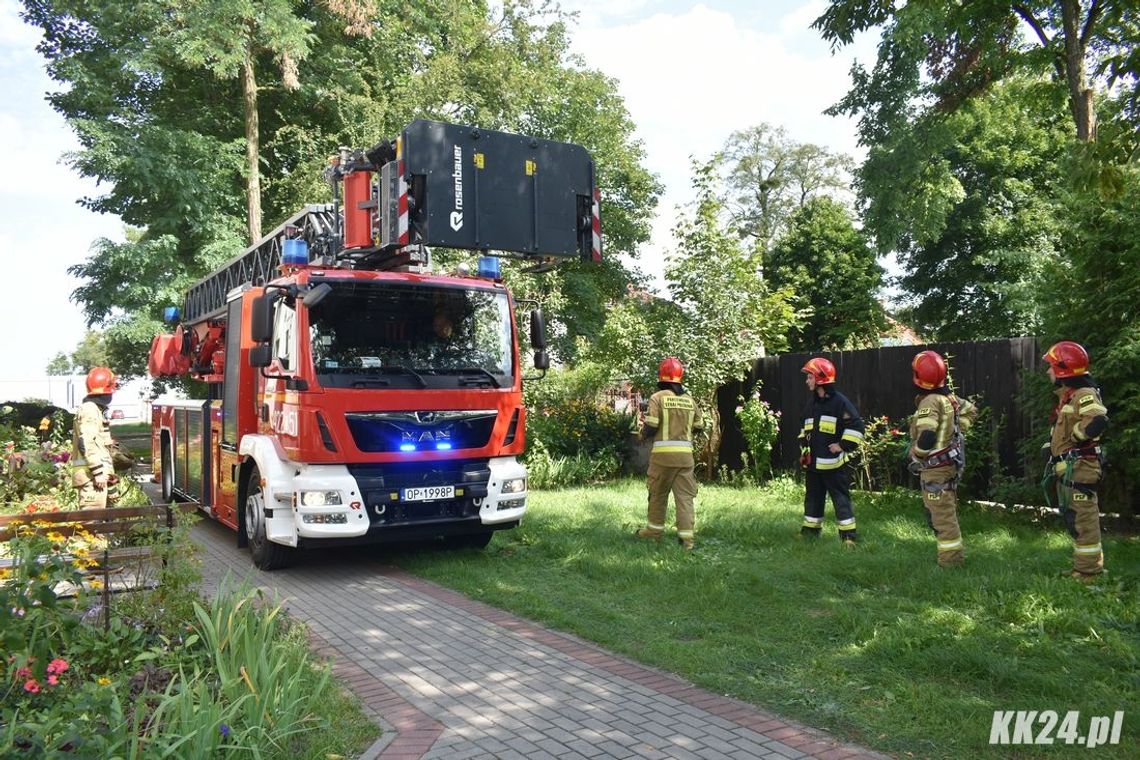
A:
{"x": 166, "y": 470}
{"x": 470, "y": 540}
{"x": 266, "y": 554}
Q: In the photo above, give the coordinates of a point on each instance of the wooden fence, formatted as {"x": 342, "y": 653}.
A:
{"x": 878, "y": 382}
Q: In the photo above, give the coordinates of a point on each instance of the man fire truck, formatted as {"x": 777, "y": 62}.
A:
{"x": 354, "y": 396}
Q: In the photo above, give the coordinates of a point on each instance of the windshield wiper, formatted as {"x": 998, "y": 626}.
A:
{"x": 406, "y": 370}
{"x": 476, "y": 370}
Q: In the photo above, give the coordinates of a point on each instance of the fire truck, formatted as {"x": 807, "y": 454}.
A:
{"x": 354, "y": 396}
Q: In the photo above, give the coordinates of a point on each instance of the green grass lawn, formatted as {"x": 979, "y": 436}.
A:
{"x": 875, "y": 643}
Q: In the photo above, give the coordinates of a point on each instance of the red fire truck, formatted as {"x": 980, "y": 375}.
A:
{"x": 354, "y": 395}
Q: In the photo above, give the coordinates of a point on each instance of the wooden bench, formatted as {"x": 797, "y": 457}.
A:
{"x": 105, "y": 523}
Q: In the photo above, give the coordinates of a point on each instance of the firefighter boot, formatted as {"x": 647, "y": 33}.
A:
{"x": 651, "y": 531}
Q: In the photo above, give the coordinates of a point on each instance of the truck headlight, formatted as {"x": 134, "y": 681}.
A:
{"x": 319, "y": 498}
{"x": 514, "y": 485}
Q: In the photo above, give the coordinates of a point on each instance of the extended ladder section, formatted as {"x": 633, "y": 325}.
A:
{"x": 436, "y": 185}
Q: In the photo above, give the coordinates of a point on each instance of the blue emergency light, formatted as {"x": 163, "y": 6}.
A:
{"x": 170, "y": 314}
{"x": 443, "y": 446}
{"x": 488, "y": 267}
{"x": 294, "y": 252}
{"x": 407, "y": 447}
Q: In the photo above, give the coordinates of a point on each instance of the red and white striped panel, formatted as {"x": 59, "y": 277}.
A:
{"x": 402, "y": 208}
{"x": 596, "y": 252}
{"x": 402, "y": 200}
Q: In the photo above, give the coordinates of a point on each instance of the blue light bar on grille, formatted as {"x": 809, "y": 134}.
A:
{"x": 407, "y": 447}
{"x": 443, "y": 445}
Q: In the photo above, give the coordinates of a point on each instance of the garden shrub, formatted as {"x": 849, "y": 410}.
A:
{"x": 572, "y": 438}
{"x": 761, "y": 426}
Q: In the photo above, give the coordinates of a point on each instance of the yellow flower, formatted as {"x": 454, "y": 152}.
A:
{"x": 95, "y": 584}
{"x": 56, "y": 537}
{"x": 103, "y": 681}
{"x": 4, "y": 573}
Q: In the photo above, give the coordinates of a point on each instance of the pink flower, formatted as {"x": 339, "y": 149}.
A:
{"x": 23, "y": 672}
{"x": 32, "y": 686}
{"x": 53, "y": 680}
{"x": 56, "y": 666}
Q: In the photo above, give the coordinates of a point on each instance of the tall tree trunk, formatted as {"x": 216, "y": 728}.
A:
{"x": 252, "y": 146}
{"x": 1080, "y": 94}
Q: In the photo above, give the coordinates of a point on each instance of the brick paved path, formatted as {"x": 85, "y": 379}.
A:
{"x": 452, "y": 678}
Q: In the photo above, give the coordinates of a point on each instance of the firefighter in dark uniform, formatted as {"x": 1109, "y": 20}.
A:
{"x": 1075, "y": 458}
{"x": 832, "y": 430}
{"x": 670, "y": 420}
{"x": 938, "y": 451}
{"x": 92, "y": 447}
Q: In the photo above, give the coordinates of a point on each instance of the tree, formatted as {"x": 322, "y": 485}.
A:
{"x": 1092, "y": 296}
{"x": 970, "y": 203}
{"x": 831, "y": 268}
{"x": 728, "y": 314}
{"x": 171, "y": 144}
{"x": 60, "y": 364}
{"x": 937, "y": 56}
{"x": 226, "y": 39}
{"x": 91, "y": 351}
{"x": 768, "y": 176}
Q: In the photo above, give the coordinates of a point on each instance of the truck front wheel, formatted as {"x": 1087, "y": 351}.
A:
{"x": 266, "y": 554}
{"x": 166, "y": 473}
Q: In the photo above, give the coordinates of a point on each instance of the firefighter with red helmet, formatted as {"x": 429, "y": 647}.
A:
{"x": 1075, "y": 458}
{"x": 93, "y": 449}
{"x": 938, "y": 451}
{"x": 670, "y": 421}
{"x": 831, "y": 432}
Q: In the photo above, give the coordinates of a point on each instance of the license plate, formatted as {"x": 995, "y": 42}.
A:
{"x": 429, "y": 493}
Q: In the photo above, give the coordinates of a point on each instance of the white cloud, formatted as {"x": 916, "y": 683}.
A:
{"x": 692, "y": 78}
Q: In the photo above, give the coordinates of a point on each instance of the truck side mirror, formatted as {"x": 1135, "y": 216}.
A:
{"x": 261, "y": 320}
{"x": 537, "y": 331}
{"x": 260, "y": 355}
{"x": 316, "y": 295}
{"x": 541, "y": 360}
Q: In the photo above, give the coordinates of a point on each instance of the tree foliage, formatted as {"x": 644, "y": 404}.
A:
{"x": 91, "y": 351}
{"x": 1093, "y": 297}
{"x": 169, "y": 144}
{"x": 936, "y": 56}
{"x": 969, "y": 201}
{"x": 768, "y": 176}
{"x": 830, "y": 267}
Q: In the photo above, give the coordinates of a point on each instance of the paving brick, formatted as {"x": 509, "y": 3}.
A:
{"x": 458, "y": 679}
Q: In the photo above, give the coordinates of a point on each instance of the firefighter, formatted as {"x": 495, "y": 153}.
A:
{"x": 92, "y": 455}
{"x": 832, "y": 430}
{"x": 938, "y": 451}
{"x": 1075, "y": 458}
{"x": 670, "y": 420}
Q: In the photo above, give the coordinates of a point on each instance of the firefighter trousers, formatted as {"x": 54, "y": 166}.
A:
{"x": 91, "y": 497}
{"x": 940, "y": 498}
{"x": 819, "y": 485}
{"x": 663, "y": 479}
{"x": 1083, "y": 519}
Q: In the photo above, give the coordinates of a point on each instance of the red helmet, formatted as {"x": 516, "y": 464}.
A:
{"x": 929, "y": 370}
{"x": 671, "y": 370}
{"x": 1068, "y": 359}
{"x": 821, "y": 369}
{"x": 100, "y": 381}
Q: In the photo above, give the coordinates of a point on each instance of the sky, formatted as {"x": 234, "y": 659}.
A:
{"x": 690, "y": 73}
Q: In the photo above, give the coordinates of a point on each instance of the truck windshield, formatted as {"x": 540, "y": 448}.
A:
{"x": 377, "y": 335}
